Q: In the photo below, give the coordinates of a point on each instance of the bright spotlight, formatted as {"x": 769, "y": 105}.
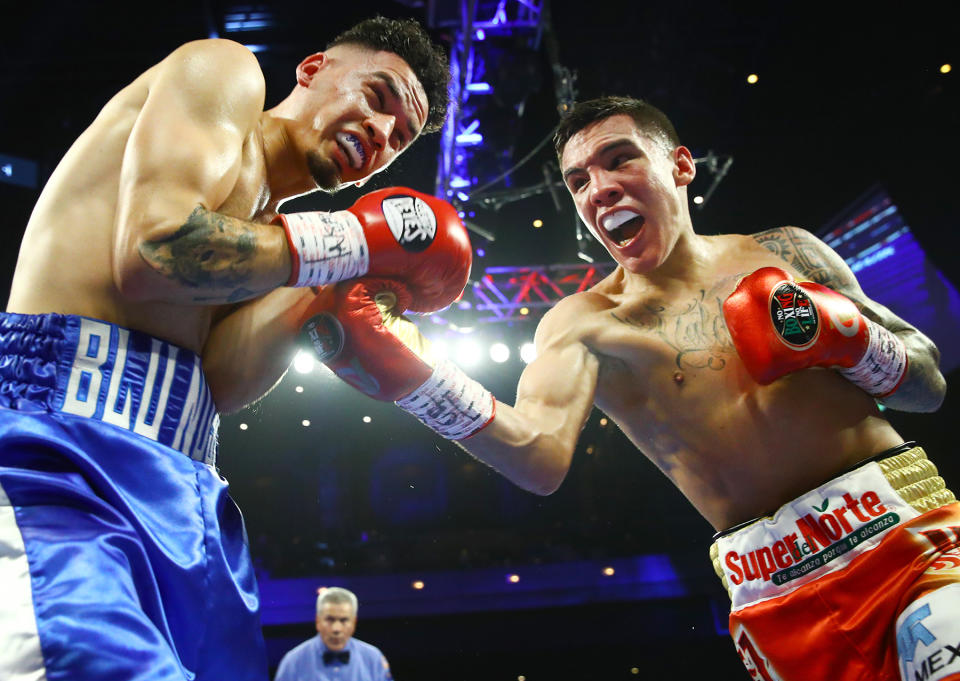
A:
{"x": 468, "y": 353}
{"x": 753, "y": 78}
{"x": 528, "y": 352}
{"x": 499, "y": 353}
{"x": 440, "y": 348}
{"x": 303, "y": 362}
{"x": 698, "y": 200}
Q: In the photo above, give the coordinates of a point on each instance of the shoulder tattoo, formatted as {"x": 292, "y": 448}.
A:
{"x": 805, "y": 253}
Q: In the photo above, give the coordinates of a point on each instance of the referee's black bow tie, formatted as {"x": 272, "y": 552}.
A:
{"x": 331, "y": 656}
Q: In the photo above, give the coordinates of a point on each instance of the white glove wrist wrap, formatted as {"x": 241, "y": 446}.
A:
{"x": 450, "y": 402}
{"x": 330, "y": 247}
{"x": 882, "y": 366}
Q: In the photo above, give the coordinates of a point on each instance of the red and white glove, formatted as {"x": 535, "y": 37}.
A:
{"x": 356, "y": 329}
{"x": 395, "y": 232}
{"x": 779, "y": 326}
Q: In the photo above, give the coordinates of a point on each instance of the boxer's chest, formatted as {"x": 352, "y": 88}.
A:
{"x": 683, "y": 331}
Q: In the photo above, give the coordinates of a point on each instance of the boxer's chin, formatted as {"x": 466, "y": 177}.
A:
{"x": 323, "y": 171}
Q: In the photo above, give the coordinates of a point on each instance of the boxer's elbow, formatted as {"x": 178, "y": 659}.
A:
{"x": 134, "y": 279}
{"x": 927, "y": 397}
{"x": 547, "y": 464}
{"x": 544, "y": 487}
{"x": 924, "y": 388}
{"x": 141, "y": 273}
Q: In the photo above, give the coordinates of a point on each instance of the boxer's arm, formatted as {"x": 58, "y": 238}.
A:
{"x": 924, "y": 387}
{"x": 249, "y": 349}
{"x": 532, "y": 443}
{"x": 181, "y": 162}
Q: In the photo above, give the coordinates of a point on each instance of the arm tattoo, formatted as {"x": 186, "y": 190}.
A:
{"x": 209, "y": 250}
{"x": 808, "y": 255}
{"x": 923, "y": 388}
{"x": 697, "y": 331}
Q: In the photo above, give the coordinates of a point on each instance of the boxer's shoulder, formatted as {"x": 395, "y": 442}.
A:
{"x": 574, "y": 318}
{"x": 786, "y": 242}
{"x": 221, "y": 75}
{"x": 200, "y": 55}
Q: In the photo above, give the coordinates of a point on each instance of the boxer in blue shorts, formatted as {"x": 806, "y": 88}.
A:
{"x": 157, "y": 286}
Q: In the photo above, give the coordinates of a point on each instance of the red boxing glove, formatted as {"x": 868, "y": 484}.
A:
{"x": 356, "y": 329}
{"x": 395, "y": 232}
{"x": 779, "y": 326}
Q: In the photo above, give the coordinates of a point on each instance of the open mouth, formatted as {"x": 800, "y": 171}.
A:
{"x": 352, "y": 148}
{"x": 623, "y": 226}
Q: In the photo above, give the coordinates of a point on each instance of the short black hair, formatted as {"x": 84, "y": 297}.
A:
{"x": 648, "y": 118}
{"x": 408, "y": 40}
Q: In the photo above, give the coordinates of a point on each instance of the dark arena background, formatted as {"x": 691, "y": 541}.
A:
{"x": 836, "y": 117}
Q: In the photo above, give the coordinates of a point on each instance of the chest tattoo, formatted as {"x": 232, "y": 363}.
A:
{"x": 695, "y": 330}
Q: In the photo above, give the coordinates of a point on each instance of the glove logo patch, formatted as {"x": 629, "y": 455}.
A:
{"x": 411, "y": 221}
{"x": 324, "y": 334}
{"x": 794, "y": 316}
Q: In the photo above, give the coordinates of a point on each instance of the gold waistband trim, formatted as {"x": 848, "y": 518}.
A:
{"x": 911, "y": 474}
{"x": 914, "y": 477}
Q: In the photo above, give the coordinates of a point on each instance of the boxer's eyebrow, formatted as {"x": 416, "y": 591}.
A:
{"x": 391, "y": 84}
{"x": 605, "y": 149}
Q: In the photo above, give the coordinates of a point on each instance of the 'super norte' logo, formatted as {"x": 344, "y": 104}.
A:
{"x": 817, "y": 539}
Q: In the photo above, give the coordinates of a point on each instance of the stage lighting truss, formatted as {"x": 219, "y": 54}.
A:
{"x": 493, "y": 61}
{"x": 504, "y": 293}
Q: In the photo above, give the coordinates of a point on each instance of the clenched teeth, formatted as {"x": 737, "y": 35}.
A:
{"x": 354, "y": 150}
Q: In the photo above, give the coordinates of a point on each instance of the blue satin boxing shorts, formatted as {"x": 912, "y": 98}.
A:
{"x": 121, "y": 554}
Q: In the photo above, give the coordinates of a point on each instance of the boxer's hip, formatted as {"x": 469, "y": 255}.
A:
{"x": 826, "y": 528}
{"x": 110, "y": 506}
{"x": 817, "y": 587}
{"x": 87, "y": 368}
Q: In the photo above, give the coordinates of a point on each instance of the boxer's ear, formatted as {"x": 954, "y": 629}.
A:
{"x": 309, "y": 67}
{"x": 684, "y": 169}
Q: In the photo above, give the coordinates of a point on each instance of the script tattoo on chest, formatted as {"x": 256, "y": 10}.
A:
{"x": 695, "y": 330}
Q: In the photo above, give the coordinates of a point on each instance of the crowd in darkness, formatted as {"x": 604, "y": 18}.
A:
{"x": 410, "y": 509}
{"x": 460, "y": 515}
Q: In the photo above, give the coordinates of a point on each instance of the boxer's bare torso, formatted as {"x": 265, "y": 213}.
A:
{"x": 670, "y": 378}
{"x": 66, "y": 262}
{"x": 650, "y": 347}
{"x": 157, "y": 219}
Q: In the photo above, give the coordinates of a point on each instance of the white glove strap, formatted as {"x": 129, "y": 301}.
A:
{"x": 882, "y": 366}
{"x": 331, "y": 247}
{"x": 450, "y": 402}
